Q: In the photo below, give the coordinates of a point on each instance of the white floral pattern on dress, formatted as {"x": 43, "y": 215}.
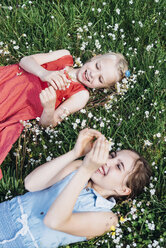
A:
{"x": 24, "y": 230}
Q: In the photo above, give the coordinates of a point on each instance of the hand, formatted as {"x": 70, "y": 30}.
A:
{"x": 98, "y": 155}
{"x": 84, "y": 141}
{"x": 48, "y": 98}
{"x": 57, "y": 79}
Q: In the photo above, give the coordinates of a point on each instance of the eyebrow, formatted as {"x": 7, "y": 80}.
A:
{"x": 110, "y": 152}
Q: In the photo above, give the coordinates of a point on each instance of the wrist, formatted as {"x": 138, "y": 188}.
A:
{"x": 74, "y": 154}
{"x": 85, "y": 172}
{"x": 47, "y": 117}
{"x": 41, "y": 72}
{"x": 49, "y": 110}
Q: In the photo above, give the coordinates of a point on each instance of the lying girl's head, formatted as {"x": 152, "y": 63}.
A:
{"x": 140, "y": 176}
{"x": 103, "y": 71}
{"x": 124, "y": 174}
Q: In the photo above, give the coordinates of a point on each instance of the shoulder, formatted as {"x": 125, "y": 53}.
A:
{"x": 80, "y": 94}
{"x": 103, "y": 223}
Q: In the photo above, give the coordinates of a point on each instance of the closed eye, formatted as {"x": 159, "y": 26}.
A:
{"x": 118, "y": 166}
{"x": 100, "y": 80}
{"x": 97, "y": 66}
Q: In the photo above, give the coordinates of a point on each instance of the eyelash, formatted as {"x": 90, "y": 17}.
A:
{"x": 113, "y": 155}
{"x": 100, "y": 80}
{"x": 118, "y": 166}
{"x": 97, "y": 67}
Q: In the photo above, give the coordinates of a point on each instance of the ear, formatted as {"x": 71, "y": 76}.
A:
{"x": 124, "y": 191}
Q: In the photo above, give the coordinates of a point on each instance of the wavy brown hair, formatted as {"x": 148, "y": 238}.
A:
{"x": 139, "y": 177}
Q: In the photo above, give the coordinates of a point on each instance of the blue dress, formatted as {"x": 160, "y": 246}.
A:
{"x": 21, "y": 219}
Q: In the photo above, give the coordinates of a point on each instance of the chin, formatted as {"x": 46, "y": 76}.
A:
{"x": 81, "y": 80}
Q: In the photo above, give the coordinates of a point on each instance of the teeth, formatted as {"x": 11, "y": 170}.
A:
{"x": 86, "y": 75}
{"x": 102, "y": 170}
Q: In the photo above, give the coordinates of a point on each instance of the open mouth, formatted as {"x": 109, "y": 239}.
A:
{"x": 101, "y": 170}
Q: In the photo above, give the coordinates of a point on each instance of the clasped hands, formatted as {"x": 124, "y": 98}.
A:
{"x": 57, "y": 81}
{"x": 94, "y": 146}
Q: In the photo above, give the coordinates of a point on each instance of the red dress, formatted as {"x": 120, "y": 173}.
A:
{"x": 19, "y": 99}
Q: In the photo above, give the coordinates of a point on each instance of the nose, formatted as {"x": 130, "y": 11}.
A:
{"x": 110, "y": 163}
{"x": 94, "y": 74}
{"x": 107, "y": 168}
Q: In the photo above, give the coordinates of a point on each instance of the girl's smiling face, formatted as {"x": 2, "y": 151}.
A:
{"x": 111, "y": 178}
{"x": 100, "y": 72}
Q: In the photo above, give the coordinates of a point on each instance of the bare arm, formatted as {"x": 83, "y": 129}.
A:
{"x": 50, "y": 116}
{"x": 51, "y": 172}
{"x": 32, "y": 63}
{"x": 45, "y": 175}
{"x": 87, "y": 224}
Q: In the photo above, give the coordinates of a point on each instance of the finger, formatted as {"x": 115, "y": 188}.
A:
{"x": 48, "y": 95}
{"x": 51, "y": 94}
{"x": 41, "y": 97}
{"x": 101, "y": 150}
{"x": 58, "y": 83}
{"x": 64, "y": 83}
{"x": 44, "y": 93}
{"x": 52, "y": 91}
{"x": 94, "y": 133}
{"x": 83, "y": 132}
{"x": 100, "y": 136}
{"x": 64, "y": 80}
{"x": 63, "y": 76}
{"x": 96, "y": 146}
{"x": 53, "y": 84}
{"x": 105, "y": 152}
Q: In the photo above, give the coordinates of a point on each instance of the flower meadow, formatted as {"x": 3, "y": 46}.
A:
{"x": 130, "y": 115}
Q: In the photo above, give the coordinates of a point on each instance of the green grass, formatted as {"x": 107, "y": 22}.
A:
{"x": 53, "y": 25}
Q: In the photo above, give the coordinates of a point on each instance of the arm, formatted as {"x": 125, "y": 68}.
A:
{"x": 46, "y": 175}
{"x": 50, "y": 116}
{"x": 49, "y": 173}
{"x": 33, "y": 64}
{"x": 87, "y": 224}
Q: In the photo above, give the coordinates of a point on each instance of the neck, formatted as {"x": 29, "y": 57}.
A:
{"x": 72, "y": 73}
{"x": 99, "y": 190}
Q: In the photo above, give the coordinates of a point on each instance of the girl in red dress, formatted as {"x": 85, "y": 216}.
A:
{"x": 47, "y": 86}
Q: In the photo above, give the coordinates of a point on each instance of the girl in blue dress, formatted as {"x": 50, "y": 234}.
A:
{"x": 70, "y": 200}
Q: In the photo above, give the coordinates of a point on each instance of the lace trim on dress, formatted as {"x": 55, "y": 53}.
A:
{"x": 25, "y": 229}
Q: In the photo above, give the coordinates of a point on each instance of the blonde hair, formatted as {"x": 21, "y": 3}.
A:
{"x": 121, "y": 63}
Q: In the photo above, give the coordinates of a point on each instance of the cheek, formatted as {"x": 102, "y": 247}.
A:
{"x": 96, "y": 84}
{"x": 97, "y": 178}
